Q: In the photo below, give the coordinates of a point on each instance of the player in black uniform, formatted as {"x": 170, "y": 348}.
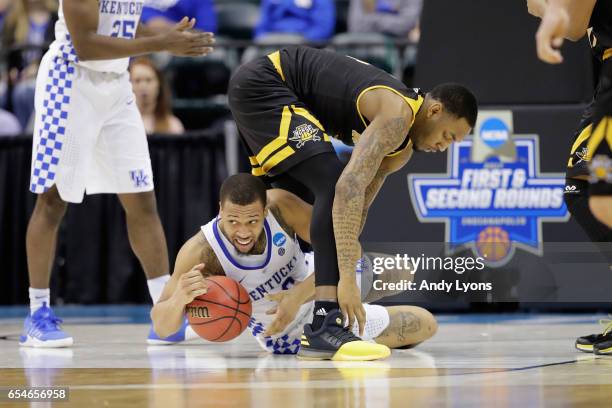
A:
{"x": 588, "y": 192}
{"x": 287, "y": 106}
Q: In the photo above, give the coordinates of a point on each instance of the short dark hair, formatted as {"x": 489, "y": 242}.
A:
{"x": 457, "y": 100}
{"x": 243, "y": 189}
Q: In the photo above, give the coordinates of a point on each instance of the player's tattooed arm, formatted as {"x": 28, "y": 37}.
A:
{"x": 293, "y": 213}
{"x": 195, "y": 260}
{"x": 381, "y": 137}
{"x": 82, "y": 21}
{"x": 388, "y": 166}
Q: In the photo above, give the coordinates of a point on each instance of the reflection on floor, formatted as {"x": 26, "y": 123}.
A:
{"x": 505, "y": 360}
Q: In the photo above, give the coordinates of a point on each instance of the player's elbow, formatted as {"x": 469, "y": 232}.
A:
{"x": 576, "y": 32}
{"x": 347, "y": 188}
{"x": 83, "y": 48}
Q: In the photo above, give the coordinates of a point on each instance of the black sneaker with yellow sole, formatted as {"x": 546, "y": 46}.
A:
{"x": 333, "y": 341}
{"x": 587, "y": 343}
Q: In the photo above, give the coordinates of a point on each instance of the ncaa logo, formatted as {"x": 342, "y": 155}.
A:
{"x": 494, "y": 133}
{"x": 279, "y": 239}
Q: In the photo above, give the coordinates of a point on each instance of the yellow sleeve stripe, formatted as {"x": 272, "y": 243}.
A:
{"x": 415, "y": 104}
{"x": 603, "y": 130}
{"x": 275, "y": 58}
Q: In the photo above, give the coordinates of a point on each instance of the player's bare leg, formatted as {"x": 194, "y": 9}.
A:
{"x": 41, "y": 236}
{"x": 146, "y": 233}
{"x": 408, "y": 326}
{"x": 601, "y": 206}
{"x": 42, "y": 327}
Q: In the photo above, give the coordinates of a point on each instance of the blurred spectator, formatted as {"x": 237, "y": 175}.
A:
{"x": 9, "y": 125}
{"x": 153, "y": 98}
{"x": 313, "y": 19}
{"x": 4, "y": 9}
{"x": 396, "y": 18}
{"x": 29, "y": 22}
{"x": 164, "y": 13}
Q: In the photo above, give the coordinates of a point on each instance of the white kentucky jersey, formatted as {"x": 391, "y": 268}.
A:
{"x": 116, "y": 18}
{"x": 280, "y": 266}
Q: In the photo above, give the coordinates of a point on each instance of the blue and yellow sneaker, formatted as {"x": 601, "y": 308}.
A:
{"x": 42, "y": 329}
{"x": 591, "y": 343}
{"x": 335, "y": 342}
{"x": 185, "y": 333}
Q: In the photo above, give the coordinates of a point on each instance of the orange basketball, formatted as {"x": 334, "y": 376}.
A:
{"x": 223, "y": 312}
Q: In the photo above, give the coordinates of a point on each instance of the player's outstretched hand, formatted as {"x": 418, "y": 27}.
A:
{"x": 191, "y": 284}
{"x": 349, "y": 299}
{"x": 287, "y": 306}
{"x": 551, "y": 33}
{"x": 182, "y": 42}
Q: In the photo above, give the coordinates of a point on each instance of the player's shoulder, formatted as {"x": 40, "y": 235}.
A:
{"x": 198, "y": 250}
{"x": 279, "y": 204}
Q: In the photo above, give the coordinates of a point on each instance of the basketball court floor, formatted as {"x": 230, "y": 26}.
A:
{"x": 474, "y": 360}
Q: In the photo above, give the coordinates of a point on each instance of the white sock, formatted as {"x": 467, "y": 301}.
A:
{"x": 38, "y": 297}
{"x": 156, "y": 286}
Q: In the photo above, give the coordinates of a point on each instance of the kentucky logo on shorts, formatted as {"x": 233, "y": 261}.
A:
{"x": 139, "y": 178}
{"x": 305, "y": 133}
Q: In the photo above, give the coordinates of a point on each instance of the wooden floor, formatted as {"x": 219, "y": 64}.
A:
{"x": 505, "y": 362}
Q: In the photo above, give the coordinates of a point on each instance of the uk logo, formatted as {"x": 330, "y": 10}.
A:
{"x": 139, "y": 178}
{"x": 493, "y": 200}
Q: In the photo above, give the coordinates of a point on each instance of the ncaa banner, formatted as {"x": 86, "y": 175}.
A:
{"x": 493, "y": 197}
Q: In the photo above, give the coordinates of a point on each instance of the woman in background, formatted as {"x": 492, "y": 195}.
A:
{"x": 153, "y": 98}
{"x": 28, "y": 22}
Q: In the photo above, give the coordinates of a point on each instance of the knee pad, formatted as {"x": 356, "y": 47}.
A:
{"x": 576, "y": 199}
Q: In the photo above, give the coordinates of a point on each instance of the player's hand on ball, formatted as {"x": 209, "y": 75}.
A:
{"x": 551, "y": 33}
{"x": 180, "y": 41}
{"x": 349, "y": 299}
{"x": 287, "y": 306}
{"x": 191, "y": 285}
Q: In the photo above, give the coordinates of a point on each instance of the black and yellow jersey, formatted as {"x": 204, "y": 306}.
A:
{"x": 288, "y": 105}
{"x": 331, "y": 84}
{"x": 600, "y": 30}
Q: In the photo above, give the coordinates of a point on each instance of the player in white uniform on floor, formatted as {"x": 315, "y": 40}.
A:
{"x": 254, "y": 241}
{"x": 89, "y": 137}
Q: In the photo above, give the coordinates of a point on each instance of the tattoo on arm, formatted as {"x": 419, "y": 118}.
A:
{"x": 208, "y": 256}
{"x": 279, "y": 217}
{"x": 378, "y": 140}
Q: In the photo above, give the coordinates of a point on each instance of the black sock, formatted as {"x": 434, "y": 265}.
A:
{"x": 322, "y": 309}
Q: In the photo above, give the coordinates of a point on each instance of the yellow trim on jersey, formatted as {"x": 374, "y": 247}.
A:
{"x": 584, "y": 135}
{"x": 256, "y": 169}
{"x": 270, "y": 155}
{"x": 275, "y": 58}
{"x": 603, "y": 130}
{"x": 277, "y": 158}
{"x": 607, "y": 54}
{"x": 305, "y": 114}
{"x": 414, "y": 105}
{"x": 280, "y": 140}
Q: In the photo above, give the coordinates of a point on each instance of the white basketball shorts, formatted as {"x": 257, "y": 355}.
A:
{"x": 89, "y": 136}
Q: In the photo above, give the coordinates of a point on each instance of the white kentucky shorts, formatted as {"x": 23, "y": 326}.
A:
{"x": 88, "y": 134}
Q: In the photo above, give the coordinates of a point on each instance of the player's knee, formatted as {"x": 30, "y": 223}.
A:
{"x": 51, "y": 206}
{"x": 601, "y": 207}
{"x": 429, "y": 324}
{"x": 141, "y": 205}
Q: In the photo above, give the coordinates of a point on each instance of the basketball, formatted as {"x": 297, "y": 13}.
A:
{"x": 222, "y": 313}
{"x": 493, "y": 244}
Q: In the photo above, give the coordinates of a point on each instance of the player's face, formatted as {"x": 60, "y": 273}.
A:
{"x": 145, "y": 85}
{"x": 438, "y": 130}
{"x": 242, "y": 224}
